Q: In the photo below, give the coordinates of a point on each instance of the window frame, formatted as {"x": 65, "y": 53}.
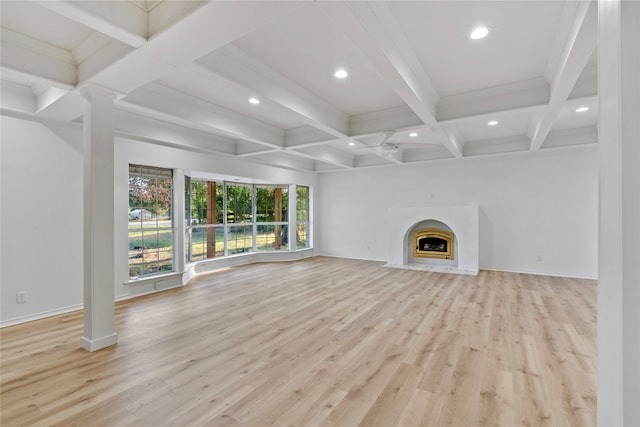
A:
{"x": 158, "y": 232}
{"x": 228, "y": 227}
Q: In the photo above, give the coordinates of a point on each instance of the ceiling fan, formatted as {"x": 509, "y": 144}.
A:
{"x": 389, "y": 145}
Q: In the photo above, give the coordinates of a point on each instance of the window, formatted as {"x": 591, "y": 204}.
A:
{"x": 204, "y": 212}
{"x": 150, "y": 225}
{"x": 271, "y": 217}
{"x": 302, "y": 217}
{"x": 225, "y": 218}
{"x": 239, "y": 215}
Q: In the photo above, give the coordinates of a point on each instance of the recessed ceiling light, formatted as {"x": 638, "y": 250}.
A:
{"x": 413, "y": 134}
{"x": 351, "y": 143}
{"x": 492, "y": 123}
{"x": 582, "y": 109}
{"x": 478, "y": 33}
{"x": 340, "y": 74}
{"x": 254, "y": 100}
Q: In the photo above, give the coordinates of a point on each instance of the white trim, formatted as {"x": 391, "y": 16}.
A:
{"x": 544, "y": 273}
{"x": 153, "y": 290}
{"x": 41, "y": 315}
{"x": 209, "y": 265}
{"x": 100, "y": 343}
{"x": 152, "y": 278}
{"x": 432, "y": 268}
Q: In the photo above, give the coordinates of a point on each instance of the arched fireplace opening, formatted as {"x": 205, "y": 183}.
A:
{"x": 431, "y": 242}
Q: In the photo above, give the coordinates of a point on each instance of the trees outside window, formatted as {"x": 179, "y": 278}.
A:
{"x": 150, "y": 222}
{"x": 225, "y": 218}
{"x": 271, "y": 217}
{"x": 204, "y": 212}
{"x": 302, "y": 217}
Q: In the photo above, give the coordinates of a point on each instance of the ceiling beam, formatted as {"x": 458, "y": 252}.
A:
{"x": 144, "y": 127}
{"x": 89, "y": 14}
{"x": 395, "y": 118}
{"x": 374, "y": 29}
{"x": 511, "y": 96}
{"x": 308, "y": 136}
{"x": 337, "y": 159}
{"x": 197, "y": 34}
{"x": 283, "y": 160}
{"x": 29, "y": 56}
{"x": 579, "y": 47}
{"x": 245, "y": 71}
{"x": 199, "y": 114}
{"x": 249, "y": 149}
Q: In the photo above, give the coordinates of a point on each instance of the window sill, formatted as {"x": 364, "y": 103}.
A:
{"x": 153, "y": 278}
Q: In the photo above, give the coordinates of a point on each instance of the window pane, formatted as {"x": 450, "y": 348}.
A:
{"x": 302, "y": 235}
{"x": 150, "y": 260}
{"x": 271, "y": 203}
{"x": 135, "y": 253}
{"x": 302, "y": 217}
{"x": 239, "y": 203}
{"x": 207, "y": 242}
{"x": 150, "y": 227}
{"x": 165, "y": 261}
{"x": 198, "y": 202}
{"x": 271, "y": 238}
{"x": 240, "y": 239}
{"x": 302, "y": 204}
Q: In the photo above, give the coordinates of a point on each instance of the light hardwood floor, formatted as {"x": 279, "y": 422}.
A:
{"x": 322, "y": 341}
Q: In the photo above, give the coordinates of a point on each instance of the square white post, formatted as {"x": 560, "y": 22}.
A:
{"x": 619, "y": 234}
{"x": 99, "y": 260}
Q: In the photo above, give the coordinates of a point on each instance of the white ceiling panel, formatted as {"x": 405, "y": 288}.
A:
{"x": 202, "y": 84}
{"x": 30, "y": 19}
{"x": 308, "y": 48}
{"x": 516, "y": 49}
{"x": 509, "y": 124}
{"x": 570, "y": 118}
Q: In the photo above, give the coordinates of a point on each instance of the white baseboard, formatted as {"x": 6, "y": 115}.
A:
{"x": 41, "y": 315}
{"x": 100, "y": 343}
{"x": 537, "y": 273}
{"x": 433, "y": 268}
{"x": 546, "y": 273}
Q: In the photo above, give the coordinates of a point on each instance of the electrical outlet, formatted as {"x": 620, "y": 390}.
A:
{"x": 21, "y": 297}
{"x": 539, "y": 258}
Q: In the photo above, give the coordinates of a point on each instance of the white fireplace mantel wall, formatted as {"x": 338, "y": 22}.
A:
{"x": 463, "y": 220}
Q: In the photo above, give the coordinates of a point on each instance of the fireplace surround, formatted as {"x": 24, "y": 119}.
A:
{"x": 461, "y": 221}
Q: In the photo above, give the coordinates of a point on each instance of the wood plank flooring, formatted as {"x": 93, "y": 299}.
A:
{"x": 319, "y": 342}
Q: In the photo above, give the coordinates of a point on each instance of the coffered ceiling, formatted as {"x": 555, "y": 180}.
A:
{"x": 183, "y": 73}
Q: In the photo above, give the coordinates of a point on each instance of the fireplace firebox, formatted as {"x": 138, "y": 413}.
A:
{"x": 433, "y": 243}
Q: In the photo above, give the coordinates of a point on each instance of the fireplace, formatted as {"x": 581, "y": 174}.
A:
{"x": 414, "y": 245}
{"x": 433, "y": 243}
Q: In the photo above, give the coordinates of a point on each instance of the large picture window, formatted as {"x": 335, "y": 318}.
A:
{"x": 226, "y": 218}
{"x": 150, "y": 225}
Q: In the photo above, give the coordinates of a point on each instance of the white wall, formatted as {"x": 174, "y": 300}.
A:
{"x": 41, "y": 219}
{"x": 531, "y": 204}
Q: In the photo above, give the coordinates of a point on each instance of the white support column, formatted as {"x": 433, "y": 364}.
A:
{"x": 619, "y": 234}
{"x": 99, "y": 260}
